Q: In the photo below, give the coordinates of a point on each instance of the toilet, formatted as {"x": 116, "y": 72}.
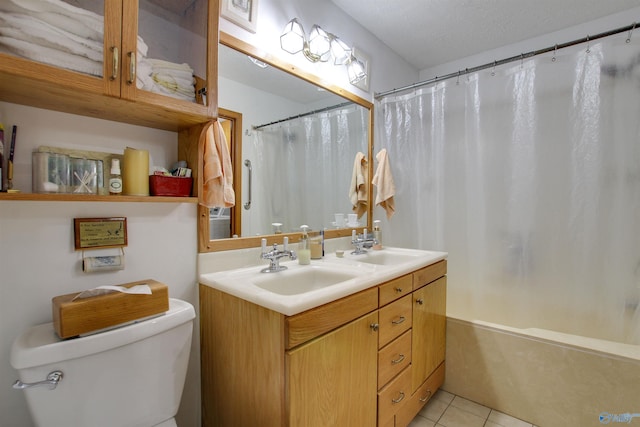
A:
{"x": 132, "y": 376}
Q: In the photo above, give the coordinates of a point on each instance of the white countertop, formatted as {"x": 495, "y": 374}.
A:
{"x": 243, "y": 282}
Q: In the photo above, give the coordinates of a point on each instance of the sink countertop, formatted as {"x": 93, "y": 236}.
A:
{"x": 367, "y": 270}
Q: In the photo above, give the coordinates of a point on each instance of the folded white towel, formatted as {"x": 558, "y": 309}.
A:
{"x": 50, "y": 56}
{"x": 33, "y": 30}
{"x": 60, "y": 14}
{"x": 385, "y": 186}
{"x": 162, "y": 64}
{"x": 358, "y": 187}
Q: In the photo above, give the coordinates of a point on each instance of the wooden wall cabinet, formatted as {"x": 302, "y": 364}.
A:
{"x": 27, "y": 82}
{"x": 346, "y": 363}
{"x": 114, "y": 96}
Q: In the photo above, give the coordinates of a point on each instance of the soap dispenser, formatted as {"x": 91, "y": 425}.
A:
{"x": 304, "y": 250}
{"x": 377, "y": 235}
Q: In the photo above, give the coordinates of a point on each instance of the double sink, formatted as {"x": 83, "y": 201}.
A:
{"x": 302, "y": 287}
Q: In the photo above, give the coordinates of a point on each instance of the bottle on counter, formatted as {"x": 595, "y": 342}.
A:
{"x": 115, "y": 179}
{"x": 316, "y": 244}
{"x": 304, "y": 250}
{"x": 377, "y": 235}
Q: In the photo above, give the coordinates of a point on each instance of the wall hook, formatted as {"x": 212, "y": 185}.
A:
{"x": 555, "y": 52}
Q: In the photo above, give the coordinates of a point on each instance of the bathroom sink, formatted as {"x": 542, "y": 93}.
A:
{"x": 300, "y": 281}
{"x": 388, "y": 257}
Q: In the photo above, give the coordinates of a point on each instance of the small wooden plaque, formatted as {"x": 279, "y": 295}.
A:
{"x": 94, "y": 233}
{"x": 82, "y": 316}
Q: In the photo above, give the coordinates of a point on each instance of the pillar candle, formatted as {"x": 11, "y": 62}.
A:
{"x": 135, "y": 172}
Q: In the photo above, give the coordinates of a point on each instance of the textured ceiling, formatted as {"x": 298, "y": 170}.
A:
{"x": 427, "y": 33}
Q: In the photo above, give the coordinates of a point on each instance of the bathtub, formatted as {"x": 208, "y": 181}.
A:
{"x": 545, "y": 377}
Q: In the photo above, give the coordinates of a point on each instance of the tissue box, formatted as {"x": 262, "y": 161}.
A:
{"x": 178, "y": 186}
{"x": 86, "y": 315}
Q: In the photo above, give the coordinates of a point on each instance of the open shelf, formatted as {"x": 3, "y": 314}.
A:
{"x": 94, "y": 198}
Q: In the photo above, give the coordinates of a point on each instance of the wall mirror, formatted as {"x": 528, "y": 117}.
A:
{"x": 298, "y": 139}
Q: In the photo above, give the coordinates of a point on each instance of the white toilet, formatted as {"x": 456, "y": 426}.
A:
{"x": 132, "y": 376}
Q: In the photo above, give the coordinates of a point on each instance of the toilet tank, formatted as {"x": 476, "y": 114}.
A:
{"x": 129, "y": 376}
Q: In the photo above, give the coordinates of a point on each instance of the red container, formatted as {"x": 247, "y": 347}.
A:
{"x": 176, "y": 186}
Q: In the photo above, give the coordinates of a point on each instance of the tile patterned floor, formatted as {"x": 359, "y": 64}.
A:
{"x": 448, "y": 410}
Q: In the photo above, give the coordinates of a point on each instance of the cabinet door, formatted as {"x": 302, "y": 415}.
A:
{"x": 429, "y": 330}
{"x": 168, "y": 46}
{"x": 332, "y": 381}
{"x": 76, "y": 62}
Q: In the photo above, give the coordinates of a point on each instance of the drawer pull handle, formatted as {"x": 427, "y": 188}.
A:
{"x": 427, "y": 397}
{"x": 114, "y": 70}
{"x": 398, "y": 290}
{"x": 374, "y": 326}
{"x": 400, "y": 320}
{"x": 399, "y": 399}
{"x": 132, "y": 68}
{"x": 420, "y": 301}
{"x": 398, "y": 360}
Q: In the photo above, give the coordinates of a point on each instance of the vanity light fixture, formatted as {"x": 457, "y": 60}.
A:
{"x": 355, "y": 70}
{"x": 321, "y": 47}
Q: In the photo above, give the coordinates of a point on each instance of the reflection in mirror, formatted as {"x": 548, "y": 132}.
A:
{"x": 225, "y": 222}
{"x": 301, "y": 142}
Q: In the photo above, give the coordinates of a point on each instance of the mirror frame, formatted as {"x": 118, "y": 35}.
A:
{"x": 207, "y": 245}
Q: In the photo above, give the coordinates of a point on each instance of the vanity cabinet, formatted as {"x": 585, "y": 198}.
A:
{"x": 351, "y": 362}
{"x": 401, "y": 396}
{"x": 254, "y": 372}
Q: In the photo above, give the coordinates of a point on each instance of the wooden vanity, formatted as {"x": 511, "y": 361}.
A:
{"x": 373, "y": 358}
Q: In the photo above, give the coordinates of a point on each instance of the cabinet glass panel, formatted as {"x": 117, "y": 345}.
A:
{"x": 172, "y": 46}
{"x": 67, "y": 34}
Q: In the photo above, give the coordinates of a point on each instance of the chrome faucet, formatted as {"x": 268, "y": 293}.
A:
{"x": 362, "y": 241}
{"x": 274, "y": 256}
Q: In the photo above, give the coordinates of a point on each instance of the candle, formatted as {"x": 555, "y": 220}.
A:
{"x": 135, "y": 172}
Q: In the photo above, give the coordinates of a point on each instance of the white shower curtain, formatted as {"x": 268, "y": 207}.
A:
{"x": 529, "y": 176}
{"x": 304, "y": 166}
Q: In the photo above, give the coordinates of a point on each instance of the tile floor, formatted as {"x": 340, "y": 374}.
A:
{"x": 448, "y": 410}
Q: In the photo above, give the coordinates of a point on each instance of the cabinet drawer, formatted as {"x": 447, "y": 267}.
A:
{"x": 312, "y": 323}
{"x": 393, "y": 358}
{"x": 429, "y": 273}
{"x": 393, "y": 396}
{"x": 420, "y": 397}
{"x": 395, "y": 289}
{"x": 395, "y": 318}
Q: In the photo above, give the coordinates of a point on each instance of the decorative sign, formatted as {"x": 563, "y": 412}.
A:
{"x": 95, "y": 233}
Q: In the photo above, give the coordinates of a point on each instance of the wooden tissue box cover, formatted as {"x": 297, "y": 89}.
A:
{"x": 72, "y": 318}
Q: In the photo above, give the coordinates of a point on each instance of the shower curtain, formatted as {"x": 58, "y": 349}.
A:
{"x": 529, "y": 176}
{"x": 304, "y": 166}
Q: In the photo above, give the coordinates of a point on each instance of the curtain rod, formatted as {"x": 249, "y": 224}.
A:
{"x": 321, "y": 110}
{"x": 520, "y": 57}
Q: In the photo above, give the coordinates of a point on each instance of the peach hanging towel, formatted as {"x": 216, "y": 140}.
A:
{"x": 383, "y": 180}
{"x": 358, "y": 188}
{"x": 217, "y": 177}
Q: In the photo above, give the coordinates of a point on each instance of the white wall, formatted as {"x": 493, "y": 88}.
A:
{"x": 602, "y": 25}
{"x": 387, "y": 69}
{"x": 37, "y": 256}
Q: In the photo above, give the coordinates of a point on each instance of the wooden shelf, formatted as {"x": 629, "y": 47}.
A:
{"x": 93, "y": 198}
